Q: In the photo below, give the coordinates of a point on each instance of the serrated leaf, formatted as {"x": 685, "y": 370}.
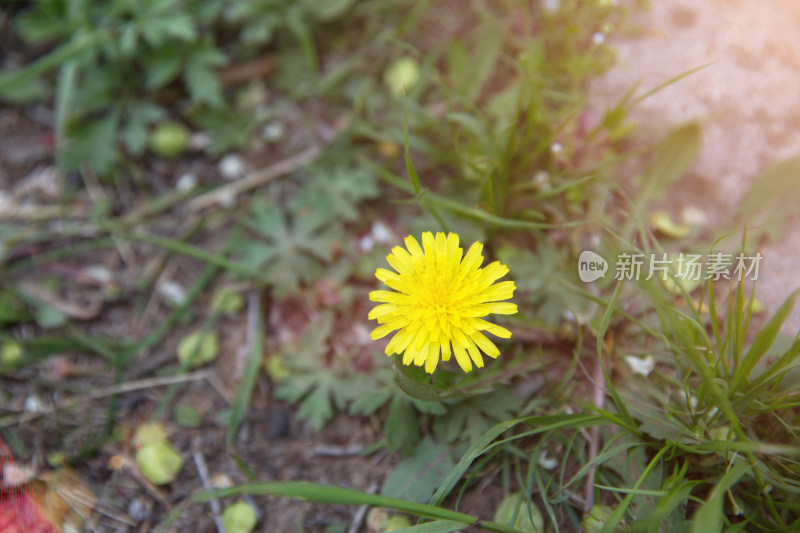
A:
{"x": 333, "y": 195}
{"x": 402, "y": 428}
{"x": 317, "y": 407}
{"x": 291, "y": 252}
{"x": 416, "y": 477}
{"x": 200, "y": 75}
{"x": 94, "y": 143}
{"x": 134, "y": 133}
{"x": 162, "y": 66}
{"x": 365, "y": 402}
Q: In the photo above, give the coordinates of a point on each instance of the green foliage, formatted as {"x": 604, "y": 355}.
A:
{"x": 771, "y": 198}
{"x": 113, "y": 60}
{"x": 291, "y": 247}
{"x": 417, "y": 476}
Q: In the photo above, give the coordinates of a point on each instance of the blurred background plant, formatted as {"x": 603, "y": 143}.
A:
{"x": 218, "y": 183}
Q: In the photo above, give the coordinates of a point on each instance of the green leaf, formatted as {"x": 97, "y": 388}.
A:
{"x": 415, "y": 389}
{"x": 334, "y": 194}
{"x": 159, "y": 462}
{"x": 328, "y": 10}
{"x": 135, "y": 133}
{"x": 318, "y": 493}
{"x": 200, "y": 75}
{"x": 416, "y": 477}
{"x": 245, "y": 389}
{"x": 673, "y": 156}
{"x": 709, "y": 518}
{"x": 317, "y": 407}
{"x": 515, "y": 512}
{"x": 402, "y": 427}
{"x": 198, "y": 348}
{"x": 773, "y": 197}
{"x": 291, "y": 252}
{"x": 49, "y": 317}
{"x": 186, "y": 416}
{"x": 437, "y": 526}
{"x": 162, "y": 66}
{"x": 763, "y": 341}
{"x": 50, "y": 61}
{"x": 239, "y": 518}
{"x": 94, "y": 143}
{"x": 412, "y": 173}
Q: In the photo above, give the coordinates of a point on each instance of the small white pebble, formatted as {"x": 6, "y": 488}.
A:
{"x": 33, "y": 404}
{"x": 640, "y": 366}
{"x": 98, "y": 273}
{"x": 366, "y": 243}
{"x": 273, "y": 131}
{"x": 550, "y": 6}
{"x": 172, "y": 292}
{"x": 598, "y": 38}
{"x": 694, "y": 216}
{"x": 186, "y": 182}
{"x": 542, "y": 180}
{"x": 381, "y": 232}
{"x": 362, "y": 334}
{"x": 546, "y": 462}
{"x": 556, "y": 147}
{"x": 231, "y": 167}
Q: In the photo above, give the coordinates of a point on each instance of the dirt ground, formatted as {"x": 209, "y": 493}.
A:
{"x": 745, "y": 99}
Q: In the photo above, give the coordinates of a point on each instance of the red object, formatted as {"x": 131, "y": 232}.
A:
{"x": 20, "y": 510}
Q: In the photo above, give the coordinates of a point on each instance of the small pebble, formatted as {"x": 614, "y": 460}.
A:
{"x": 556, "y": 147}
{"x": 550, "y": 6}
{"x": 33, "y": 404}
{"x": 381, "y": 232}
{"x": 172, "y": 292}
{"x": 186, "y": 182}
{"x": 231, "y": 167}
{"x": 366, "y": 243}
{"x": 139, "y": 509}
{"x": 273, "y": 131}
{"x": 598, "y": 38}
{"x": 99, "y": 273}
{"x": 548, "y": 463}
{"x": 640, "y": 366}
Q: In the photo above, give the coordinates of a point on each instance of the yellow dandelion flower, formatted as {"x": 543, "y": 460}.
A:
{"x": 440, "y": 299}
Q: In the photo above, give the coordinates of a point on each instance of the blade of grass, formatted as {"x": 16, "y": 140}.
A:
{"x": 709, "y": 518}
{"x": 471, "y": 212}
{"x": 255, "y": 325}
{"x": 318, "y": 493}
{"x": 762, "y": 343}
{"x": 412, "y": 173}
